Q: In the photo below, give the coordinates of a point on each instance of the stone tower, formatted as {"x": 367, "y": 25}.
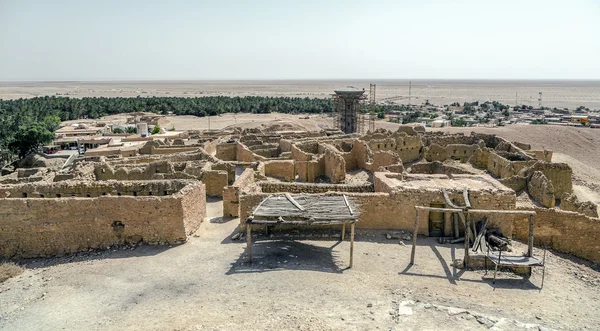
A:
{"x": 347, "y": 105}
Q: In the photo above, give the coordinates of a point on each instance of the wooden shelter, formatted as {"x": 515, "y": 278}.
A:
{"x": 303, "y": 210}
{"x": 528, "y": 261}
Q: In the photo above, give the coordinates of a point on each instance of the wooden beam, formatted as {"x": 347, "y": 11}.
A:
{"x": 294, "y": 202}
{"x": 348, "y": 205}
{"x": 530, "y": 238}
{"x": 448, "y": 201}
{"x": 351, "y": 244}
{"x": 249, "y": 242}
{"x": 466, "y": 197}
{"x": 464, "y": 220}
{"x": 478, "y": 211}
{"x": 343, "y": 231}
{"x": 414, "y": 239}
{"x": 276, "y": 222}
{"x": 260, "y": 204}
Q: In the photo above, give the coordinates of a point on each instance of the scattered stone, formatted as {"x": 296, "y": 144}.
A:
{"x": 455, "y": 311}
{"x": 401, "y": 243}
{"x": 369, "y": 305}
{"x": 404, "y": 307}
{"x": 485, "y": 321}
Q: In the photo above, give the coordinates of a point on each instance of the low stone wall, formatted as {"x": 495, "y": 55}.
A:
{"x": 274, "y": 187}
{"x": 565, "y": 231}
{"x": 36, "y": 227}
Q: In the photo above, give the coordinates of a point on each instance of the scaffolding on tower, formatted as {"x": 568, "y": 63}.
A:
{"x": 372, "y": 104}
{"x": 336, "y": 102}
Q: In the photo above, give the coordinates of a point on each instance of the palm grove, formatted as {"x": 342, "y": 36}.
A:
{"x": 28, "y": 123}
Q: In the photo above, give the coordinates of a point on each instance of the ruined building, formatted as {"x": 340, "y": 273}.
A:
{"x": 159, "y": 195}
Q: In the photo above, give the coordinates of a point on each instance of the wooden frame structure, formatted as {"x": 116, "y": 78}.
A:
{"x": 528, "y": 261}
{"x": 304, "y": 210}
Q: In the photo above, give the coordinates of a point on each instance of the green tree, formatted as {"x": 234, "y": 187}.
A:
{"x": 29, "y": 138}
{"x": 156, "y": 129}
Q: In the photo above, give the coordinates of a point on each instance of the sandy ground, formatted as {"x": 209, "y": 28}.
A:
{"x": 304, "y": 284}
{"x": 569, "y": 94}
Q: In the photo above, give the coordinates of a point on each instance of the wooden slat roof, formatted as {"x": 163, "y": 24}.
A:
{"x": 307, "y": 207}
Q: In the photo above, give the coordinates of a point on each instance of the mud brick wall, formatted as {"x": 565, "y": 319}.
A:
{"x": 541, "y": 155}
{"x": 171, "y": 150}
{"x": 92, "y": 189}
{"x": 227, "y": 151}
{"x": 35, "y": 227}
{"x": 564, "y": 231}
{"x": 559, "y": 174}
{"x": 396, "y": 210}
{"x": 244, "y": 154}
{"x": 231, "y": 194}
{"x": 211, "y": 146}
{"x": 215, "y": 181}
{"x": 503, "y": 168}
{"x": 541, "y": 189}
{"x": 283, "y": 169}
{"x": 271, "y": 187}
{"x": 335, "y": 165}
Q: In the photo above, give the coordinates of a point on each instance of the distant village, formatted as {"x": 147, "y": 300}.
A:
{"x": 491, "y": 114}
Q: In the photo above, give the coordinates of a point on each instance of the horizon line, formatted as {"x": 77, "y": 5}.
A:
{"x": 298, "y": 79}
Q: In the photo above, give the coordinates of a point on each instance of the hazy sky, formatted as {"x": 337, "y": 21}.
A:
{"x": 288, "y": 39}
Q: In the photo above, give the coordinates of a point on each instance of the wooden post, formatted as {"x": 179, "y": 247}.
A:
{"x": 414, "y": 239}
{"x": 249, "y": 242}
{"x": 530, "y": 239}
{"x": 351, "y": 243}
{"x": 465, "y": 221}
{"x": 343, "y": 231}
{"x": 530, "y": 243}
{"x": 455, "y": 223}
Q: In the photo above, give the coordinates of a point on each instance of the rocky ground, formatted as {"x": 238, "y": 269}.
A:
{"x": 297, "y": 281}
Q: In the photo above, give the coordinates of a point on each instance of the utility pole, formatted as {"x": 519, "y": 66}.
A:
{"x": 516, "y": 98}
{"x": 540, "y": 101}
{"x": 409, "y": 92}
{"x": 209, "y": 122}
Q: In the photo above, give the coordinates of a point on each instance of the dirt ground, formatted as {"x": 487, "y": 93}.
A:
{"x": 571, "y": 94}
{"x": 297, "y": 281}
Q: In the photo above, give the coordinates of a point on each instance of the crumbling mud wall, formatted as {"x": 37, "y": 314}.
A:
{"x": 570, "y": 202}
{"x": 227, "y": 151}
{"x": 501, "y": 167}
{"x": 564, "y": 231}
{"x": 437, "y": 168}
{"x": 335, "y": 165}
{"x": 92, "y": 189}
{"x": 559, "y": 174}
{"x": 541, "y": 189}
{"x": 274, "y": 187}
{"x": 39, "y": 227}
{"x": 395, "y": 210}
{"x": 281, "y": 169}
{"x": 245, "y": 183}
{"x": 408, "y": 147}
